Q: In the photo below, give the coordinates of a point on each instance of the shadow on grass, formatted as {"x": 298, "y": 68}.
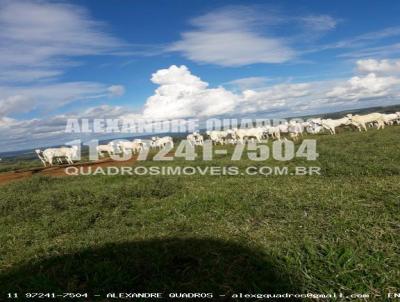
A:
{"x": 170, "y": 265}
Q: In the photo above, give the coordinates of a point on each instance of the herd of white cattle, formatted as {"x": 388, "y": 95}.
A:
{"x": 293, "y": 129}
{"x": 68, "y": 154}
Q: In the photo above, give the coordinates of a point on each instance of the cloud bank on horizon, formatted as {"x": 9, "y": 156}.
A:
{"x": 51, "y": 54}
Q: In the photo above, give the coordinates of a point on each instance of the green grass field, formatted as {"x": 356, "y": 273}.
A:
{"x": 338, "y": 232}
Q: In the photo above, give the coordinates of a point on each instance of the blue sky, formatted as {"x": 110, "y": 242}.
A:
{"x": 181, "y": 59}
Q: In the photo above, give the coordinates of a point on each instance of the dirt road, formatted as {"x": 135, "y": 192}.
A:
{"x": 7, "y": 177}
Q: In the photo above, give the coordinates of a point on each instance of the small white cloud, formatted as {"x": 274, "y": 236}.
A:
{"x": 378, "y": 66}
{"x": 104, "y": 110}
{"x": 6, "y": 122}
{"x": 248, "y": 83}
{"x": 272, "y": 98}
{"x": 116, "y": 90}
{"x": 319, "y": 22}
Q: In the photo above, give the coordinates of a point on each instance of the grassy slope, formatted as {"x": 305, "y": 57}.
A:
{"x": 335, "y": 232}
{"x": 12, "y": 165}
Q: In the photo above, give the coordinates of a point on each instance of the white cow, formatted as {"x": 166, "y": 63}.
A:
{"x": 305, "y": 124}
{"x": 219, "y": 136}
{"x": 161, "y": 142}
{"x": 314, "y": 126}
{"x": 199, "y": 138}
{"x": 195, "y": 139}
{"x": 41, "y": 157}
{"x": 109, "y": 148}
{"x": 390, "y": 119}
{"x": 360, "y": 121}
{"x": 273, "y": 132}
{"x": 256, "y": 133}
{"x": 130, "y": 147}
{"x": 332, "y": 124}
{"x": 191, "y": 139}
{"x": 314, "y": 129}
{"x": 295, "y": 130}
{"x": 283, "y": 128}
{"x": 48, "y": 155}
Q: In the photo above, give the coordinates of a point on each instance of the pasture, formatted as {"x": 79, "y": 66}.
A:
{"x": 337, "y": 232}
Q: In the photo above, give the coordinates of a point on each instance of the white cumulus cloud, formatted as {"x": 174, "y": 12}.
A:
{"x": 182, "y": 94}
{"x": 369, "y": 86}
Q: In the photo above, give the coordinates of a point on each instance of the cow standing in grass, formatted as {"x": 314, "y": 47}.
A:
{"x": 161, "y": 142}
{"x": 220, "y": 136}
{"x": 256, "y": 133}
{"x": 332, "y": 124}
{"x": 390, "y": 119}
{"x": 195, "y": 139}
{"x": 109, "y": 148}
{"x": 48, "y": 155}
{"x": 273, "y": 132}
{"x": 127, "y": 147}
